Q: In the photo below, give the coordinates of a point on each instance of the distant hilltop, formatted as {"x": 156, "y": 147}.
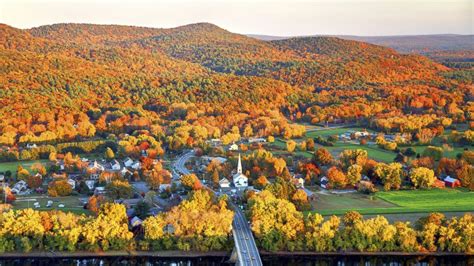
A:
{"x": 403, "y": 43}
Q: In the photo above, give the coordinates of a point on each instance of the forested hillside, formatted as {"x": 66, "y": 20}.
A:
{"x": 68, "y": 81}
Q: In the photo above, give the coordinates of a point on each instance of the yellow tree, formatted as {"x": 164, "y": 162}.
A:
{"x": 290, "y": 146}
{"x": 354, "y": 174}
{"x": 422, "y": 177}
{"x": 390, "y": 174}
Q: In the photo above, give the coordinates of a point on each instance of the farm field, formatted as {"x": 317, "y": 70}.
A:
{"x": 373, "y": 151}
{"x": 393, "y": 202}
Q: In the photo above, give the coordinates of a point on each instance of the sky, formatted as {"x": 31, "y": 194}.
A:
{"x": 277, "y": 17}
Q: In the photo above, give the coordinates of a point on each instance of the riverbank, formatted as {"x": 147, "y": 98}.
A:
{"x": 106, "y": 254}
{"x": 198, "y": 254}
{"x": 358, "y": 253}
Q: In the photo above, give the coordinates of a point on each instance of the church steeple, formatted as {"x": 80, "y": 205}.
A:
{"x": 239, "y": 166}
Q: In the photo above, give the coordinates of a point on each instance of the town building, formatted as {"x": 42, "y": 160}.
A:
{"x": 224, "y": 183}
{"x": 451, "y": 182}
{"x": 239, "y": 179}
{"x": 234, "y": 147}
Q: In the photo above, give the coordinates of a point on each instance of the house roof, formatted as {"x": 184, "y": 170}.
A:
{"x": 224, "y": 180}
{"x": 450, "y": 179}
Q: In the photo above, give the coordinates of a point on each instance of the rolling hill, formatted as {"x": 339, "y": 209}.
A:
{"x": 123, "y": 78}
{"x": 402, "y": 43}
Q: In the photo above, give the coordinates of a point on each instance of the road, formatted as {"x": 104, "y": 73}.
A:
{"x": 246, "y": 248}
{"x": 179, "y": 167}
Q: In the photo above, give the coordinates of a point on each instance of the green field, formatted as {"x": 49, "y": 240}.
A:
{"x": 340, "y": 203}
{"x": 373, "y": 151}
{"x": 451, "y": 154}
{"x": 406, "y": 201}
{"x": 71, "y": 203}
{"x": 12, "y": 166}
{"x": 333, "y": 131}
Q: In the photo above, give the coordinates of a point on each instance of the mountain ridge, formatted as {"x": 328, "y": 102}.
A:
{"x": 123, "y": 78}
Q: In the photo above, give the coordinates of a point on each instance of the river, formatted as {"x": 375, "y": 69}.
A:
{"x": 267, "y": 260}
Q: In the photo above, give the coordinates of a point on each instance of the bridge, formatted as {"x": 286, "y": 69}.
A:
{"x": 245, "y": 251}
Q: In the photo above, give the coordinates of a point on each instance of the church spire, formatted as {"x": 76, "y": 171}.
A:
{"x": 239, "y": 166}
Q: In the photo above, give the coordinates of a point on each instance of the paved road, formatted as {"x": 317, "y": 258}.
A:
{"x": 179, "y": 165}
{"x": 246, "y": 248}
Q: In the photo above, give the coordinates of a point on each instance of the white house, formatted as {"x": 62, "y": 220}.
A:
{"x": 359, "y": 134}
{"x": 128, "y": 162}
{"x": 95, "y": 166}
{"x": 19, "y": 187}
{"x": 115, "y": 165}
{"x": 31, "y": 146}
{"x": 135, "y": 221}
{"x": 298, "y": 182}
{"x": 99, "y": 191}
{"x": 257, "y": 140}
{"x": 125, "y": 171}
{"x": 72, "y": 183}
{"x": 90, "y": 184}
{"x": 136, "y": 165}
{"x": 324, "y": 182}
{"x": 234, "y": 147}
{"x": 224, "y": 183}
{"x": 239, "y": 179}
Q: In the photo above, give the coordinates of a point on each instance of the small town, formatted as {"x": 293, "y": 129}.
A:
{"x": 236, "y": 132}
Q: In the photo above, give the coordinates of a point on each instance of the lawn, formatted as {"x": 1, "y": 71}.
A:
{"x": 71, "y": 203}
{"x": 12, "y": 166}
{"x": 333, "y": 131}
{"x": 373, "y": 151}
{"x": 451, "y": 154}
{"x": 392, "y": 202}
{"x": 340, "y": 203}
{"x": 431, "y": 200}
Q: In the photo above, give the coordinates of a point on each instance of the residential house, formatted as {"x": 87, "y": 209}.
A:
{"x": 31, "y": 146}
{"x": 19, "y": 187}
{"x": 451, "y": 182}
{"x": 128, "y": 162}
{"x": 224, "y": 183}
{"x": 90, "y": 184}
{"x": 234, "y": 147}
{"x": 324, "y": 182}
{"x": 136, "y": 165}
{"x": 99, "y": 191}
{"x": 115, "y": 165}
{"x": 72, "y": 183}
{"x": 257, "y": 140}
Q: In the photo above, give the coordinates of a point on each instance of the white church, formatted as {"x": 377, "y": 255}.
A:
{"x": 239, "y": 179}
